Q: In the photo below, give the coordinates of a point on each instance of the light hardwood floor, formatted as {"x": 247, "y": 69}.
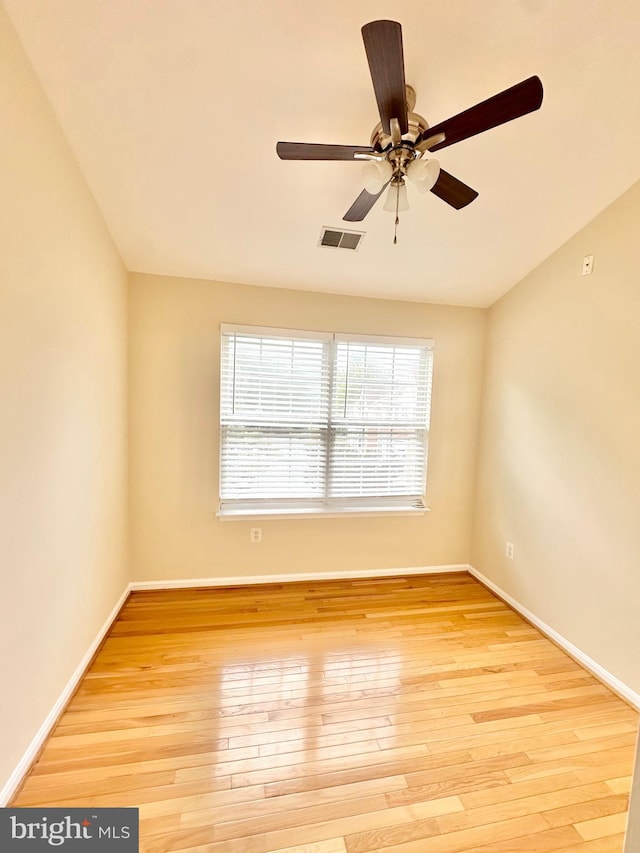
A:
{"x": 403, "y": 715}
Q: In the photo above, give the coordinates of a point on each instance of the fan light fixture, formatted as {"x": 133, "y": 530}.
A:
{"x": 424, "y": 174}
{"x": 375, "y": 174}
{"x": 396, "y": 200}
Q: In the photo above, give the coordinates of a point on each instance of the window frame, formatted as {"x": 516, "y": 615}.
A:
{"x": 327, "y": 507}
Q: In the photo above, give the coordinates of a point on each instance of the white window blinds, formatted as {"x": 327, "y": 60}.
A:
{"x": 322, "y": 422}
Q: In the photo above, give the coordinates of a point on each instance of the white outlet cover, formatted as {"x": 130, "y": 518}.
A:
{"x": 587, "y": 265}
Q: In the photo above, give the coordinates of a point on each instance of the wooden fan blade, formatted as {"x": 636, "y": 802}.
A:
{"x": 453, "y": 191}
{"x": 383, "y": 44}
{"x": 315, "y": 151}
{"x": 517, "y": 101}
{"x": 362, "y": 205}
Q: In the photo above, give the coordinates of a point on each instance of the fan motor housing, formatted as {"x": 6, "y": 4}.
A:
{"x": 382, "y": 141}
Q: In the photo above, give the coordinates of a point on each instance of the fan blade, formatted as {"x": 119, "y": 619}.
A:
{"x": 517, "y": 101}
{"x": 313, "y": 151}
{"x": 383, "y": 44}
{"x": 362, "y": 205}
{"x": 453, "y": 191}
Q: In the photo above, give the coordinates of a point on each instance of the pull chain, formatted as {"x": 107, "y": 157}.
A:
{"x": 397, "y": 222}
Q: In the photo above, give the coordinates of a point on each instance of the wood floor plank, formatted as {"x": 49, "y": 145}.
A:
{"x": 333, "y": 845}
{"x": 560, "y": 782}
{"x": 578, "y": 813}
{"x": 397, "y": 715}
{"x": 213, "y": 808}
{"x": 621, "y": 785}
{"x": 608, "y": 844}
{"x": 539, "y": 842}
{"x": 263, "y": 841}
{"x": 459, "y": 841}
{"x": 602, "y": 826}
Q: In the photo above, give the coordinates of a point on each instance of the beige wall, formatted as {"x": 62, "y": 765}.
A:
{"x": 62, "y": 410}
{"x": 559, "y": 458}
{"x": 174, "y": 363}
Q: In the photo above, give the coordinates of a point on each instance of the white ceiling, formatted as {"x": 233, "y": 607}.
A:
{"x": 173, "y": 109}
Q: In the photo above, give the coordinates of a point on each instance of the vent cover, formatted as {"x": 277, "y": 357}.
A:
{"x": 335, "y": 238}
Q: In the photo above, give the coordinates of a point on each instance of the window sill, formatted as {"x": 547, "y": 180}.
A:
{"x": 280, "y": 514}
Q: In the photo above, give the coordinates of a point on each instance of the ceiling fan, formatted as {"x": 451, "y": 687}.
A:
{"x": 400, "y": 142}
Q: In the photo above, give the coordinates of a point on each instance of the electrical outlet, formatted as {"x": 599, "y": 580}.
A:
{"x": 255, "y": 534}
{"x": 509, "y": 550}
{"x": 587, "y": 265}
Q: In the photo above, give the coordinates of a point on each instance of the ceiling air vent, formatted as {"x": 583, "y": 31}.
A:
{"x": 334, "y": 238}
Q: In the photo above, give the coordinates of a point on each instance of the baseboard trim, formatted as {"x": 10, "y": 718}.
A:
{"x": 24, "y": 765}
{"x": 618, "y": 687}
{"x": 242, "y": 580}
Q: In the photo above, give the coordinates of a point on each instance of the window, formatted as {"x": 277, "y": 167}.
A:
{"x": 314, "y": 422}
